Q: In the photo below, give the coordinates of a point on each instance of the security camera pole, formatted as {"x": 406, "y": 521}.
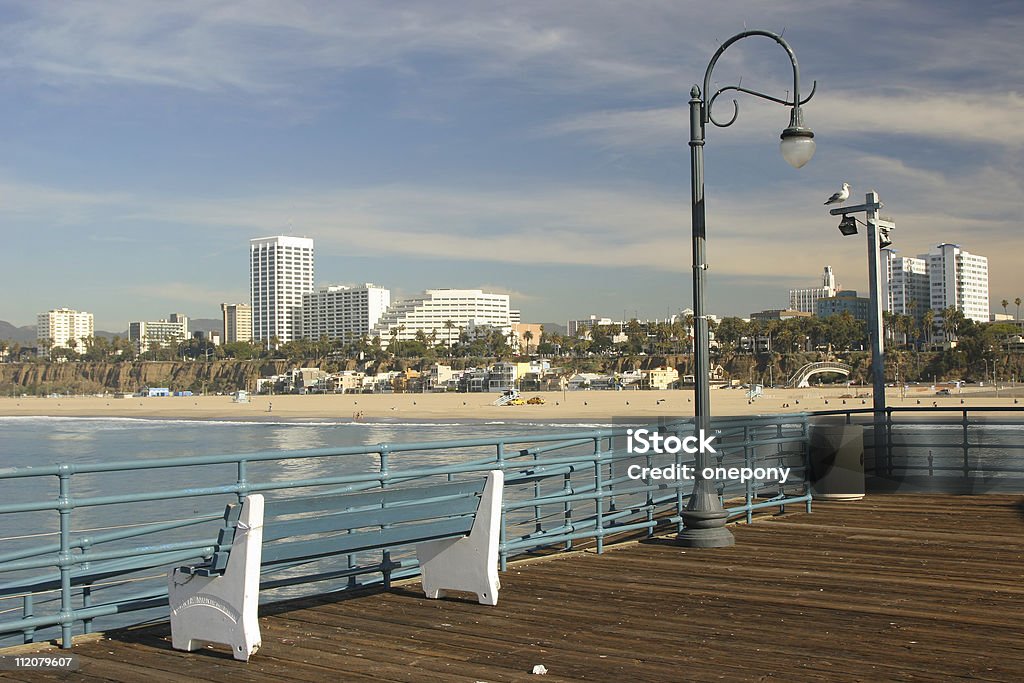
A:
{"x": 878, "y": 232}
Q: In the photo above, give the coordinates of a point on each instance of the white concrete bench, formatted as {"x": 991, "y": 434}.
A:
{"x": 454, "y": 527}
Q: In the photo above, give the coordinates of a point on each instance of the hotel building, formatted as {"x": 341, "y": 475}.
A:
{"x": 339, "y": 312}
{"x": 237, "y": 322}
{"x": 443, "y": 314}
{"x": 158, "y": 333}
{"x": 905, "y": 284}
{"x": 958, "y": 279}
{"x": 58, "y": 327}
{"x": 280, "y": 272}
{"x": 806, "y": 300}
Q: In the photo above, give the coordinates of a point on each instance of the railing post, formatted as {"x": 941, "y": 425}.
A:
{"x": 650, "y": 491}
{"x": 748, "y": 462}
{"x": 805, "y": 440}
{"x": 499, "y": 458}
{"x": 967, "y": 462}
{"x": 598, "y": 496}
{"x": 779, "y": 451}
{"x": 611, "y": 477}
{"x": 680, "y": 508}
{"x": 28, "y": 611}
{"x": 385, "y": 554}
{"x": 87, "y": 588}
{"x": 64, "y": 560}
{"x": 243, "y": 481}
{"x": 888, "y": 439}
{"x": 538, "y": 526}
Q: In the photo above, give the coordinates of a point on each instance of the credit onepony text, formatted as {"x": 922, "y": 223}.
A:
{"x": 644, "y": 441}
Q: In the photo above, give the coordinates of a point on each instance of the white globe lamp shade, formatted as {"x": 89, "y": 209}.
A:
{"x": 797, "y": 146}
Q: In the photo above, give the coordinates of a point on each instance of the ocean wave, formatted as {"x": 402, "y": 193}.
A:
{"x": 130, "y": 422}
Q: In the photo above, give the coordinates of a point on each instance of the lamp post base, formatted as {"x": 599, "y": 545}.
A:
{"x": 705, "y": 529}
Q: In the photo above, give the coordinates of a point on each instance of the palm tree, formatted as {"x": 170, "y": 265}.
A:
{"x": 1005, "y": 303}
{"x": 928, "y": 325}
{"x": 952, "y": 318}
{"x": 528, "y": 337}
{"x": 1017, "y": 301}
{"x": 449, "y": 326}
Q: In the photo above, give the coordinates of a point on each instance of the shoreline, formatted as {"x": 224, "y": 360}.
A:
{"x": 596, "y": 406}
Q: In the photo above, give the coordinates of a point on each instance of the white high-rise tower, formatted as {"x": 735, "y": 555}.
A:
{"x": 905, "y": 284}
{"x": 63, "y": 328}
{"x": 280, "y": 272}
{"x": 806, "y": 300}
{"x": 958, "y": 280}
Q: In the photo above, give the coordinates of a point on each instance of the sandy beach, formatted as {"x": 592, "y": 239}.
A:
{"x": 579, "y": 405}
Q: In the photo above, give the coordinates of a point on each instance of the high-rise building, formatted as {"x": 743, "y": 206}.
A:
{"x": 905, "y": 284}
{"x": 845, "y": 301}
{"x": 340, "y": 312}
{"x": 806, "y": 299}
{"x": 152, "y": 334}
{"x": 280, "y": 272}
{"x": 442, "y": 314}
{"x": 63, "y": 328}
{"x": 958, "y": 279}
{"x": 237, "y": 322}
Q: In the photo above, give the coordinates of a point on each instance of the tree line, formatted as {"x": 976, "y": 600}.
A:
{"x": 979, "y": 346}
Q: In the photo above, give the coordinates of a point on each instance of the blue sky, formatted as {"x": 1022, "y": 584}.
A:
{"x": 534, "y": 148}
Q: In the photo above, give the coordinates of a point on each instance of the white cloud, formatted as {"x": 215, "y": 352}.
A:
{"x": 956, "y": 119}
{"x": 263, "y": 45}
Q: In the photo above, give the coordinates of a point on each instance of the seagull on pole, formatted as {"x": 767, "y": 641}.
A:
{"x": 841, "y": 196}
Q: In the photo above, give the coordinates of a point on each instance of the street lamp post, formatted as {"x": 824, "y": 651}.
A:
{"x": 704, "y": 518}
{"x": 878, "y": 231}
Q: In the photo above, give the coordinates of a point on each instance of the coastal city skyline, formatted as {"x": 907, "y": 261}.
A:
{"x": 534, "y": 151}
{"x": 287, "y": 304}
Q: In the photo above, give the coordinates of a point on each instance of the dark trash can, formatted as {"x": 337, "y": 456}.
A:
{"x": 837, "y": 461}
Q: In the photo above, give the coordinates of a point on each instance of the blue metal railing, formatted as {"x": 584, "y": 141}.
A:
{"x": 108, "y": 550}
{"x": 968, "y": 443}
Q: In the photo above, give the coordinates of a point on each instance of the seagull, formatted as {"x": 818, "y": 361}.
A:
{"x": 841, "y": 196}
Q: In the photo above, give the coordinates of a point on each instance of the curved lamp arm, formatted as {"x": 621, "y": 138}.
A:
{"x": 736, "y": 106}
{"x": 798, "y": 139}
{"x": 797, "y": 114}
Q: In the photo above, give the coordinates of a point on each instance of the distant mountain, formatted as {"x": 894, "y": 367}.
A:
{"x": 205, "y": 324}
{"x": 22, "y": 335}
{"x": 554, "y": 328}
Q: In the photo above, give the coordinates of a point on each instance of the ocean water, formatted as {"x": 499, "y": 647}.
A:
{"x": 39, "y": 441}
{"x": 47, "y": 440}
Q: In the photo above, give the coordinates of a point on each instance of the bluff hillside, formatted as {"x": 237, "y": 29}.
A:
{"x": 229, "y": 375}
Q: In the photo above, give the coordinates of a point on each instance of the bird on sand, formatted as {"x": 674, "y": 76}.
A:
{"x": 841, "y": 196}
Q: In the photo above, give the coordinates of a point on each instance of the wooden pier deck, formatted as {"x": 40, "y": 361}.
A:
{"x": 894, "y": 587}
